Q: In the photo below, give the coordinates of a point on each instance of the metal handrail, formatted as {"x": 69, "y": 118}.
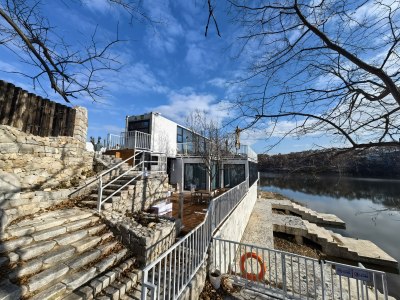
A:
{"x": 197, "y": 241}
{"x": 101, "y": 187}
{"x": 119, "y": 164}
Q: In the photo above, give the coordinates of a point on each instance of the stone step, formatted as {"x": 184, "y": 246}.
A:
{"x": 46, "y": 225}
{"x": 93, "y": 204}
{"x": 60, "y": 254}
{"x": 9, "y": 291}
{"x": 75, "y": 272}
{"x": 112, "y": 284}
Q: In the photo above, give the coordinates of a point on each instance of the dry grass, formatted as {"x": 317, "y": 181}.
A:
{"x": 292, "y": 247}
{"x": 209, "y": 293}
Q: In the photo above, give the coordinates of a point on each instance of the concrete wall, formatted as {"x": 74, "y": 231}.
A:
{"x": 163, "y": 136}
{"x": 234, "y": 227}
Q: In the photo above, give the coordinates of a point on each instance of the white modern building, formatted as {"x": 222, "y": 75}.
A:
{"x": 187, "y": 164}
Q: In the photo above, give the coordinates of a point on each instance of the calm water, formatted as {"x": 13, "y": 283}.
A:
{"x": 370, "y": 207}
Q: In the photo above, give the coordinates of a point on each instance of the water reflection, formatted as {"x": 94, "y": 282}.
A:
{"x": 379, "y": 191}
{"x": 370, "y": 207}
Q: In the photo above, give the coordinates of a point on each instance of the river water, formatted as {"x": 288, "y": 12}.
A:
{"x": 370, "y": 207}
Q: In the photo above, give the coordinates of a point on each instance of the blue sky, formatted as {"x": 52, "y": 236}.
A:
{"x": 168, "y": 66}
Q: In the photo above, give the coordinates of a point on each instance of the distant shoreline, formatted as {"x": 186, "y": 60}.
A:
{"x": 380, "y": 163}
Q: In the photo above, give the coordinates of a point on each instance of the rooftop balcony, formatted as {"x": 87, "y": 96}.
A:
{"x": 194, "y": 149}
{"x": 129, "y": 140}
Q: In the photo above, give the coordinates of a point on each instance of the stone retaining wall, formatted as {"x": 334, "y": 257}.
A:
{"x": 42, "y": 162}
{"x": 146, "y": 242}
{"x": 142, "y": 194}
{"x": 196, "y": 285}
{"x": 38, "y": 172}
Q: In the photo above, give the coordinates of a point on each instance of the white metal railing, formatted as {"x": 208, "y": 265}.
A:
{"x": 193, "y": 148}
{"x": 129, "y": 140}
{"x": 286, "y": 275}
{"x": 114, "y": 141}
{"x": 112, "y": 175}
{"x": 169, "y": 274}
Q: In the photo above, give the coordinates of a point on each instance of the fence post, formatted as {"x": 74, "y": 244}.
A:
{"x": 100, "y": 194}
{"x": 283, "y": 263}
{"x": 322, "y": 264}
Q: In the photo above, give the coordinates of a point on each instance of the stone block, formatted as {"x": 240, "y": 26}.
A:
{"x": 79, "y": 278}
{"x": 86, "y": 292}
{"x": 48, "y": 233}
{"x": 28, "y": 268}
{"x": 9, "y": 291}
{"x": 46, "y": 277}
{"x": 51, "y": 293}
{"x": 83, "y": 259}
{"x": 35, "y": 250}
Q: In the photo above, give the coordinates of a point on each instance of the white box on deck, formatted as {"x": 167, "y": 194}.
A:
{"x": 162, "y": 208}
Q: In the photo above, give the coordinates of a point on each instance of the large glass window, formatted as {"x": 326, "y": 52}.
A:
{"x": 253, "y": 173}
{"x": 143, "y": 126}
{"x": 189, "y": 142}
{"x": 215, "y": 177}
{"x": 195, "y": 174}
{"x": 233, "y": 174}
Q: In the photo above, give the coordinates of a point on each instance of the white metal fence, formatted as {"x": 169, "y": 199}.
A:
{"x": 289, "y": 276}
{"x": 167, "y": 276}
{"x": 129, "y": 140}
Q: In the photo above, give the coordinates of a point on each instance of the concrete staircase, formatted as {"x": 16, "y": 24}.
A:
{"x": 308, "y": 214}
{"x": 65, "y": 254}
{"x": 334, "y": 244}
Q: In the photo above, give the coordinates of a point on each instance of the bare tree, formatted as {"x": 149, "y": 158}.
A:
{"x": 327, "y": 66}
{"x": 209, "y": 142}
{"x": 70, "y": 71}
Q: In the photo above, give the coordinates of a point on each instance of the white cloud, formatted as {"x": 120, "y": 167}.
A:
{"x": 102, "y": 6}
{"x": 182, "y": 104}
{"x": 162, "y": 37}
{"x": 218, "y": 82}
{"x": 137, "y": 78}
{"x": 199, "y": 59}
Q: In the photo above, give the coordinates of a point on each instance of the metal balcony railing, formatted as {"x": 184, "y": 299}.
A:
{"x": 129, "y": 140}
{"x": 196, "y": 149}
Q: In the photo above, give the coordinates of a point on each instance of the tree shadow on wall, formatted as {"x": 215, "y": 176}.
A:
{"x": 14, "y": 195}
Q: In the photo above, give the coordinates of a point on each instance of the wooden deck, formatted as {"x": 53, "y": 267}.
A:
{"x": 194, "y": 209}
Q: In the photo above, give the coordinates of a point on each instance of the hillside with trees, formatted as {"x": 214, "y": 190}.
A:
{"x": 372, "y": 162}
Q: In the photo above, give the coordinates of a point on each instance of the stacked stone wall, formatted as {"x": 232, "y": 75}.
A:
{"x": 38, "y": 172}
{"x": 142, "y": 194}
{"x": 147, "y": 242}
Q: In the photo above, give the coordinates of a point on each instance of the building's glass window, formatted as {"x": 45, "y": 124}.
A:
{"x": 179, "y": 136}
{"x": 215, "y": 177}
{"x": 189, "y": 142}
{"x": 195, "y": 174}
{"x": 253, "y": 173}
{"x": 234, "y": 174}
{"x": 142, "y": 126}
